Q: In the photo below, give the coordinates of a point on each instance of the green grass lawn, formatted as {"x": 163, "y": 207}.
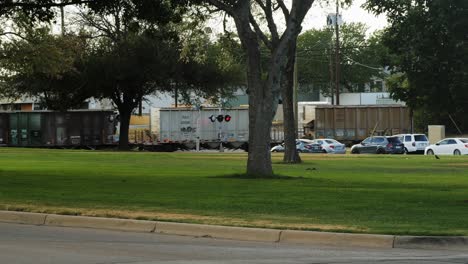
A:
{"x": 387, "y": 194}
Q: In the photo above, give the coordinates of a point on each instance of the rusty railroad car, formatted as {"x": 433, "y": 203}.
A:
{"x": 355, "y": 123}
{"x": 57, "y": 129}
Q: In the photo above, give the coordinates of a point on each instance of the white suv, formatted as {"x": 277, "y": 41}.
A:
{"x": 414, "y": 143}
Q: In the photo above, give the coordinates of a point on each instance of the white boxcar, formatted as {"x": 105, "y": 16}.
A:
{"x": 186, "y": 125}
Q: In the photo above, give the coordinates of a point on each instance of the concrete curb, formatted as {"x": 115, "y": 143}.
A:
{"x": 234, "y": 233}
{"x": 240, "y": 233}
{"x": 22, "y": 217}
{"x": 432, "y": 242}
{"x": 337, "y": 239}
{"x": 100, "y": 223}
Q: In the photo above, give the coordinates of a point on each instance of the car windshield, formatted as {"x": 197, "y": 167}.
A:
{"x": 420, "y": 138}
{"x": 378, "y": 140}
{"x": 464, "y": 140}
{"x": 331, "y": 141}
{"x": 394, "y": 139}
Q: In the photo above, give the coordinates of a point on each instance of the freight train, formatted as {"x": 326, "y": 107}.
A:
{"x": 349, "y": 124}
{"x": 173, "y": 128}
{"x": 85, "y": 128}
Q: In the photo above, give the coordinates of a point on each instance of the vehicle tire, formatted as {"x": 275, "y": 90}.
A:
{"x": 430, "y": 152}
{"x": 380, "y": 151}
{"x": 355, "y": 151}
{"x": 456, "y": 152}
{"x": 324, "y": 151}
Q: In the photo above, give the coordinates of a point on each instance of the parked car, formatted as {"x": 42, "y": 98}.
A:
{"x": 414, "y": 143}
{"x": 300, "y": 146}
{"x": 327, "y": 145}
{"x": 448, "y": 146}
{"x": 379, "y": 145}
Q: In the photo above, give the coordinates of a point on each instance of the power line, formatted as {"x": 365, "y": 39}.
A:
{"x": 363, "y": 65}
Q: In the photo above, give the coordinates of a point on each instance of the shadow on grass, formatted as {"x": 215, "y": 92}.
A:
{"x": 245, "y": 176}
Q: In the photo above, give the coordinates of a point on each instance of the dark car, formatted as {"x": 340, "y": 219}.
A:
{"x": 379, "y": 145}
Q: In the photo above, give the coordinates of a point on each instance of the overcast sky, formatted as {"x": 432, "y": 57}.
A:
{"x": 316, "y": 18}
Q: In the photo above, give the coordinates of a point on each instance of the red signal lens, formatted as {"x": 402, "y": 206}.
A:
{"x": 227, "y": 118}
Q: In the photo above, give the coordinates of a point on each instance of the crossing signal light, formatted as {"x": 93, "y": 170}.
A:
{"x": 212, "y": 118}
{"x": 220, "y": 118}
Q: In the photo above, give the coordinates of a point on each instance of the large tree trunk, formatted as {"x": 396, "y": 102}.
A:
{"x": 291, "y": 154}
{"x": 125, "y": 114}
{"x": 261, "y": 112}
{"x": 264, "y": 93}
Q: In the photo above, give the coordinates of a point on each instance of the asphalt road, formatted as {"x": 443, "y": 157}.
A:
{"x": 43, "y": 244}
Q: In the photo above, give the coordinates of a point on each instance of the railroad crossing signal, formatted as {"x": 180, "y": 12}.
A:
{"x": 220, "y": 118}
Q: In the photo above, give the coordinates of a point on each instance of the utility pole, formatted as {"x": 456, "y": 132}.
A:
{"x": 337, "y": 54}
{"x": 331, "y": 72}
{"x": 62, "y": 15}
{"x": 295, "y": 99}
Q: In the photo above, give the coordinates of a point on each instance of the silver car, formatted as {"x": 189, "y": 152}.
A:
{"x": 328, "y": 145}
{"x": 300, "y": 146}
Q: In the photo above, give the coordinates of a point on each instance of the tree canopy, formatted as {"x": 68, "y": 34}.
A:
{"x": 49, "y": 67}
{"x": 362, "y": 58}
{"x": 428, "y": 43}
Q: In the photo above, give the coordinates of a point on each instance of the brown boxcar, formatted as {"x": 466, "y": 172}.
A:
{"x": 355, "y": 123}
{"x": 60, "y": 129}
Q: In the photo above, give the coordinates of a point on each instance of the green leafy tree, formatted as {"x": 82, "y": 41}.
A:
{"x": 136, "y": 58}
{"x": 427, "y": 40}
{"x": 50, "y": 68}
{"x": 211, "y": 69}
{"x": 127, "y": 71}
{"x": 362, "y": 58}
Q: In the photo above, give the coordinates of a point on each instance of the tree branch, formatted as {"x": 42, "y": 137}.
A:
{"x": 11, "y": 4}
{"x": 222, "y": 6}
{"x": 284, "y": 9}
{"x": 101, "y": 24}
{"x": 267, "y": 9}
{"x": 14, "y": 34}
{"x": 259, "y": 32}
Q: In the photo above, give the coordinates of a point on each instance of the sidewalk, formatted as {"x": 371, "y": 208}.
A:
{"x": 241, "y": 233}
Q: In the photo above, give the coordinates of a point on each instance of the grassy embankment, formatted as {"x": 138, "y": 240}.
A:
{"x": 368, "y": 194}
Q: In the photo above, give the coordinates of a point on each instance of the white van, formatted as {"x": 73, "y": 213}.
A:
{"x": 414, "y": 143}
